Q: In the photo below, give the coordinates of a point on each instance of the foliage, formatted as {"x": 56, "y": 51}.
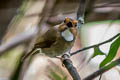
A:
{"x": 97, "y": 51}
{"x": 112, "y": 52}
{"x": 56, "y": 76}
{"x": 57, "y": 73}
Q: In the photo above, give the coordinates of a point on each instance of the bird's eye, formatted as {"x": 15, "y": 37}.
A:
{"x": 67, "y": 20}
{"x": 69, "y": 24}
{"x": 75, "y": 25}
{"x": 75, "y": 22}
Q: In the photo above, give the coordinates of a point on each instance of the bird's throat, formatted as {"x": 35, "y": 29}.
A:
{"x": 67, "y": 35}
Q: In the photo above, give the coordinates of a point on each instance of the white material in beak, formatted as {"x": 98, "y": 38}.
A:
{"x": 67, "y": 35}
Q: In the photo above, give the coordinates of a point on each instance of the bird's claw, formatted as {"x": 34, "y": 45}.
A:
{"x": 67, "y": 56}
{"x": 62, "y": 58}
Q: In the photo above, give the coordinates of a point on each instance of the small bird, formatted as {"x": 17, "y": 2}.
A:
{"x": 57, "y": 40}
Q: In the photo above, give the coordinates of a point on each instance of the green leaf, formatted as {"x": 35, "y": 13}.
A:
{"x": 112, "y": 52}
{"x": 56, "y": 76}
{"x": 56, "y": 73}
{"x": 97, "y": 52}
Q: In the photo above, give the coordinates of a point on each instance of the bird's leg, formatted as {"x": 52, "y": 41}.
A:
{"x": 62, "y": 58}
{"x": 58, "y": 57}
{"x": 67, "y": 54}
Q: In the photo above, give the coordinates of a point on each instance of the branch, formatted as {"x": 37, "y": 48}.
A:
{"x": 102, "y": 70}
{"x": 18, "y": 39}
{"x": 71, "y": 69}
{"x": 81, "y": 9}
{"x": 81, "y": 12}
{"x": 67, "y": 62}
{"x": 86, "y": 48}
{"x": 108, "y": 4}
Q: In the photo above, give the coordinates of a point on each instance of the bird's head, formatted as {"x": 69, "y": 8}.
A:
{"x": 69, "y": 29}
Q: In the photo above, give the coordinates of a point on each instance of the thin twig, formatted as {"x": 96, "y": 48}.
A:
{"x": 102, "y": 70}
{"x": 81, "y": 9}
{"x": 107, "y": 5}
{"x": 81, "y": 12}
{"x": 89, "y": 47}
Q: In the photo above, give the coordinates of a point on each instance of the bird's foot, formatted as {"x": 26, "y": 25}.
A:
{"x": 63, "y": 57}
{"x": 58, "y": 57}
{"x": 66, "y": 56}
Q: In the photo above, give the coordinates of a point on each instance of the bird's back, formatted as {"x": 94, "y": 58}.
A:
{"x": 46, "y": 40}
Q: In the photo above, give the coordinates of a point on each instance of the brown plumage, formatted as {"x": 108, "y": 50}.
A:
{"x": 57, "y": 40}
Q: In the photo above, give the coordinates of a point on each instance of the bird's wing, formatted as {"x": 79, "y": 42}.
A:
{"x": 47, "y": 39}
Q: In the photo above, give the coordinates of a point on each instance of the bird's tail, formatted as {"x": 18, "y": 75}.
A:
{"x": 32, "y": 52}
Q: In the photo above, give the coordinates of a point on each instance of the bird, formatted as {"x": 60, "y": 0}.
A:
{"x": 57, "y": 40}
